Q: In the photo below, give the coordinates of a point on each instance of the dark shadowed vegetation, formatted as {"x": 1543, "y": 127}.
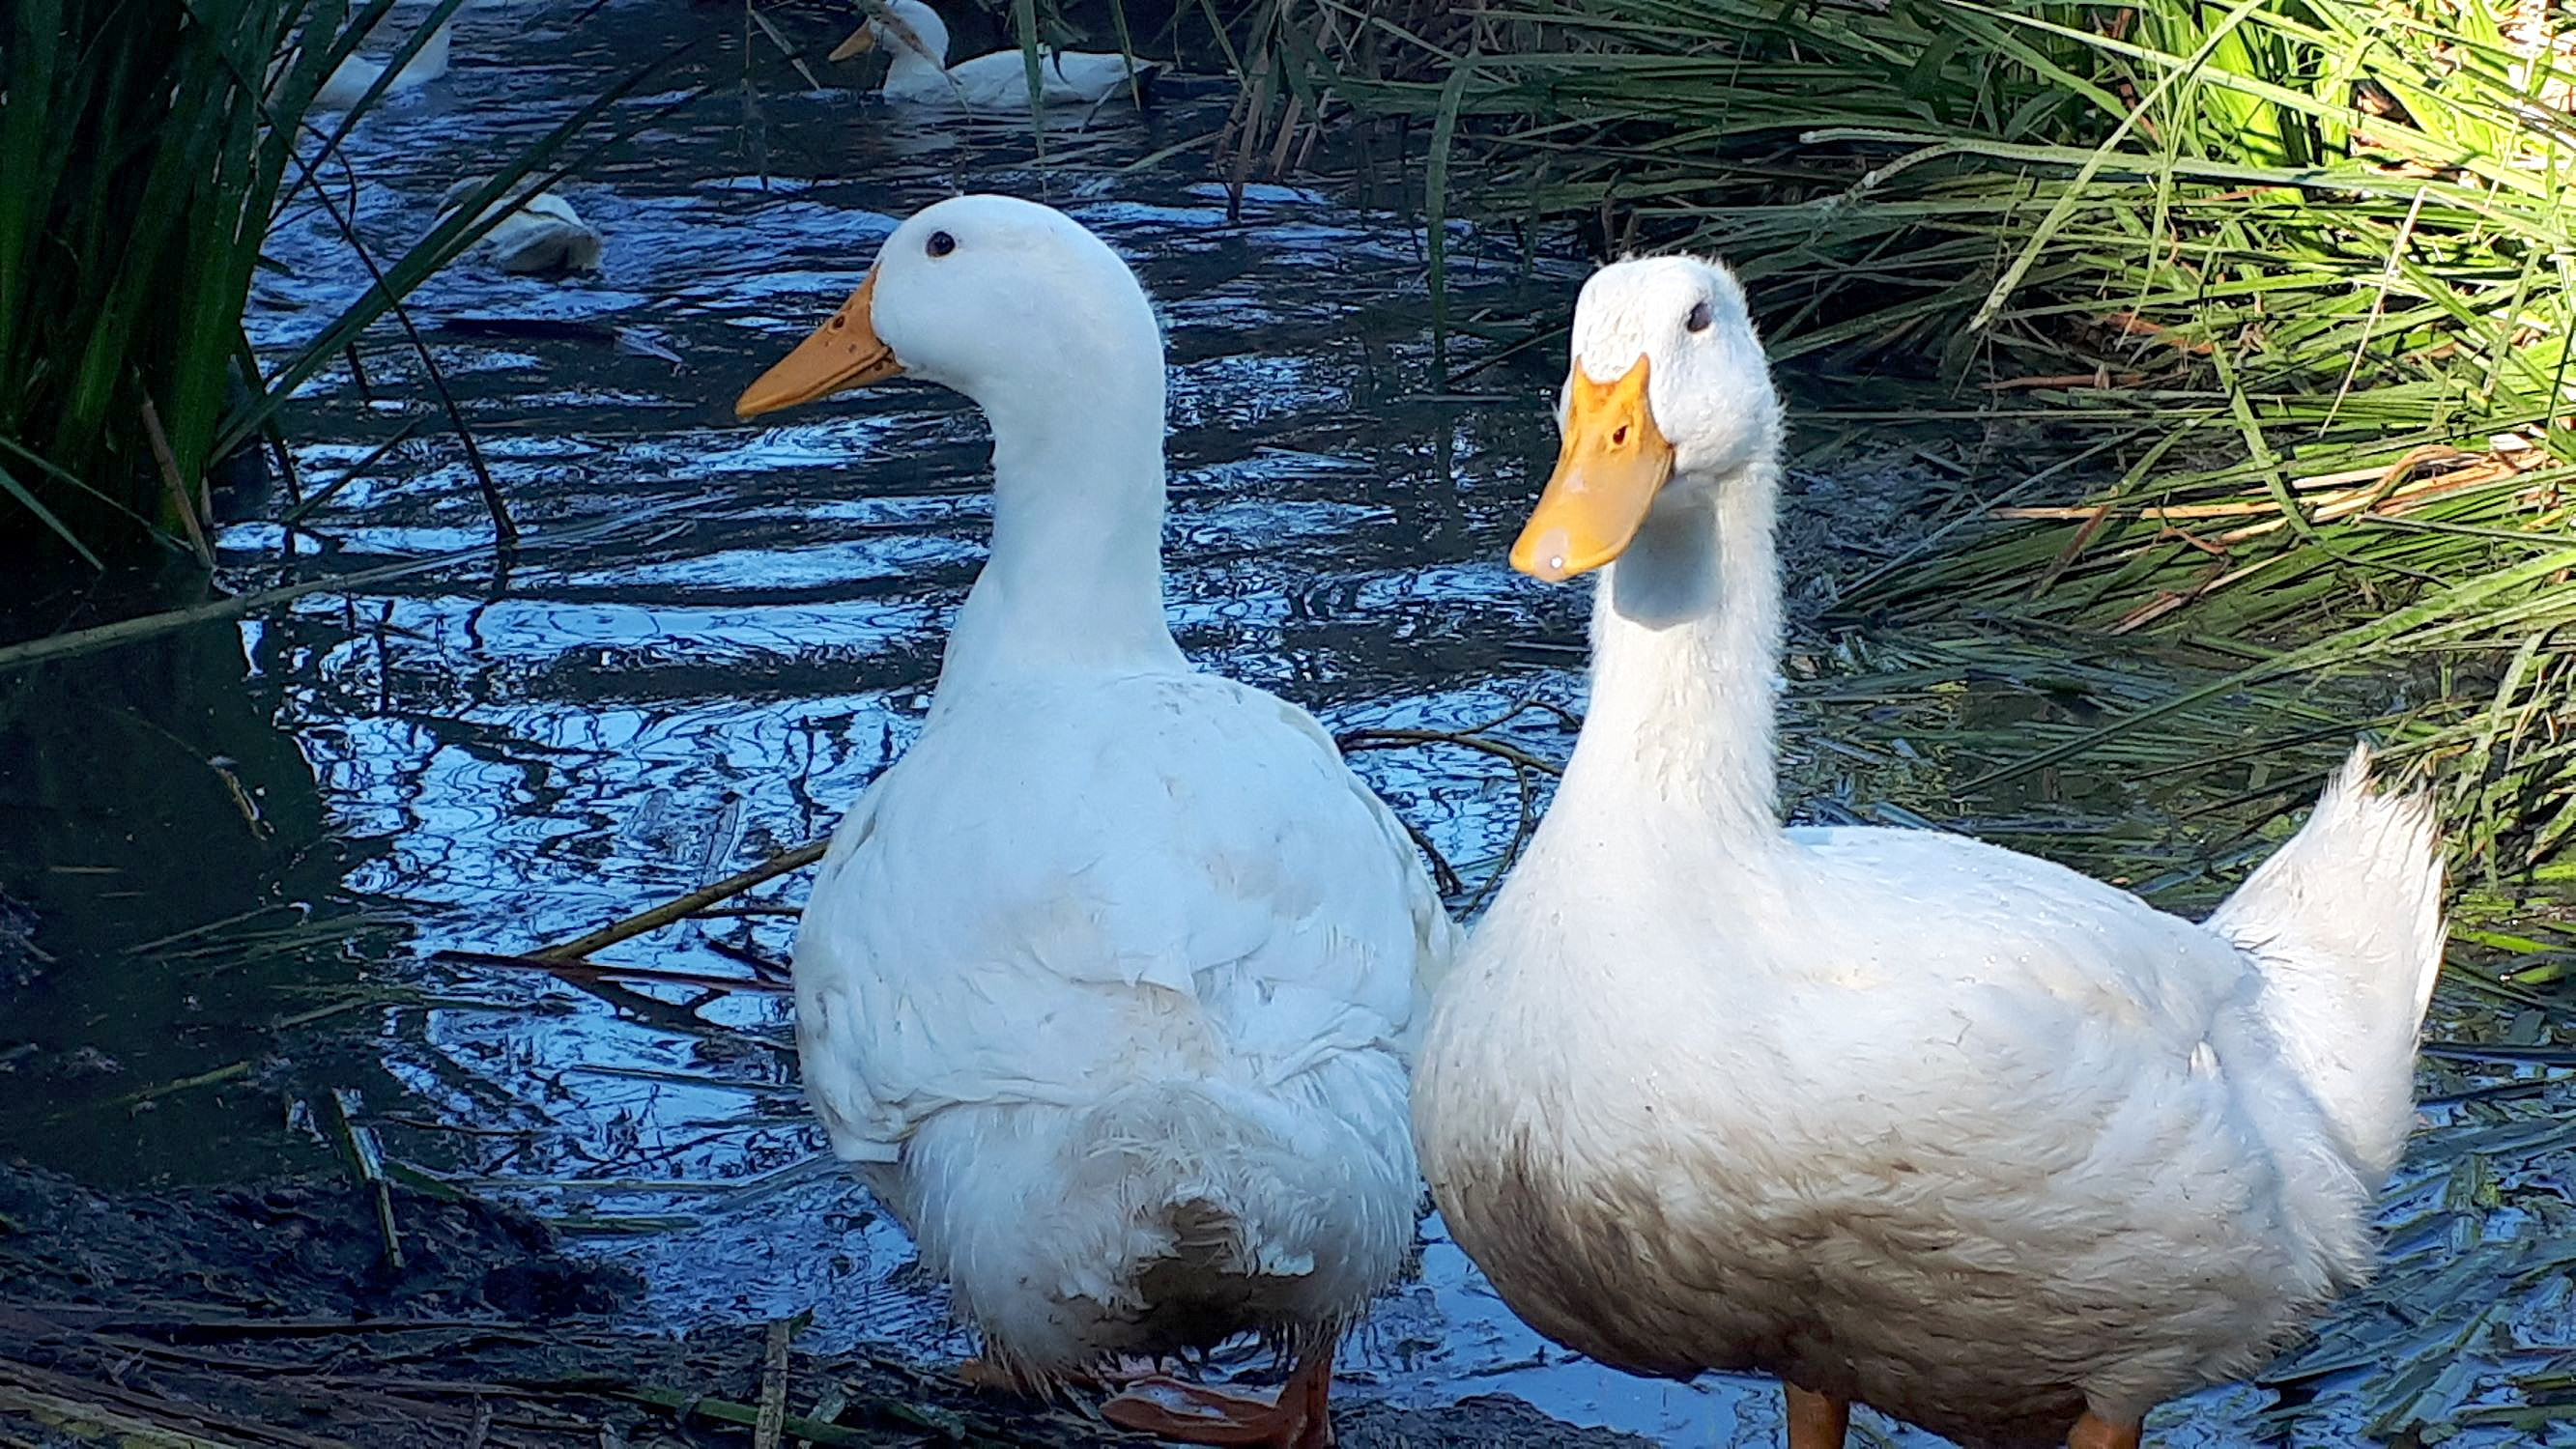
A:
{"x": 2290, "y": 281}
{"x": 150, "y": 150}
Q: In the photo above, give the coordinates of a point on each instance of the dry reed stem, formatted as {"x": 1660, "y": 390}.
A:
{"x": 603, "y": 971}
{"x": 180, "y": 502}
{"x": 673, "y": 911}
{"x": 772, "y": 1417}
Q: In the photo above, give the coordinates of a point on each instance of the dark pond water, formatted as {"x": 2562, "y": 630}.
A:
{"x": 242, "y": 841}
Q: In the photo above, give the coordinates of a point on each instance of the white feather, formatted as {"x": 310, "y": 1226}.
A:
{"x": 542, "y": 232}
{"x": 349, "y": 80}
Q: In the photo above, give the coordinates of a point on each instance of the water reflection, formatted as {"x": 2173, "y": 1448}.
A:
{"x": 185, "y": 879}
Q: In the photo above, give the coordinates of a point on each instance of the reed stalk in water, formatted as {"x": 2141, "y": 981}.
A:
{"x": 2303, "y": 272}
{"x": 149, "y": 150}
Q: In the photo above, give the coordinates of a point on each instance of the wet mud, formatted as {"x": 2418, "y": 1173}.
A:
{"x": 278, "y": 1315}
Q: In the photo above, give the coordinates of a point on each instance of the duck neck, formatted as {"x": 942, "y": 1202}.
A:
{"x": 908, "y": 68}
{"x": 1685, "y": 644}
{"x": 1074, "y": 582}
{"x": 911, "y": 70}
{"x": 430, "y": 61}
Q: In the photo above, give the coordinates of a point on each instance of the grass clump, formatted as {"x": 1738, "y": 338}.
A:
{"x": 146, "y": 147}
{"x": 2299, "y": 274}
{"x": 149, "y": 149}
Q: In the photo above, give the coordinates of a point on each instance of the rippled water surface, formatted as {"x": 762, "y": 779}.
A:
{"x": 715, "y": 634}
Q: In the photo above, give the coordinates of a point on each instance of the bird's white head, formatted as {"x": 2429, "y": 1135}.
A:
{"x": 918, "y": 30}
{"x": 1669, "y": 396}
{"x": 1011, "y": 303}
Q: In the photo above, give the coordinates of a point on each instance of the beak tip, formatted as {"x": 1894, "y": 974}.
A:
{"x": 1544, "y": 557}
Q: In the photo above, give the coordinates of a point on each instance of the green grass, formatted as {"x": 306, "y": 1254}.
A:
{"x": 149, "y": 150}
{"x": 2300, "y": 273}
{"x": 145, "y": 154}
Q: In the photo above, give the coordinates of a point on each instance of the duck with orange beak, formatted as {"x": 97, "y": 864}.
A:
{"x": 915, "y": 41}
{"x": 1902, "y": 1118}
{"x": 1107, "y": 988}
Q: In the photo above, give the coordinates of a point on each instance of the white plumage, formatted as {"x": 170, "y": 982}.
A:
{"x": 1103, "y": 964}
{"x": 1901, "y": 1117}
{"x": 918, "y": 71}
{"x": 1108, "y": 986}
{"x": 542, "y": 233}
{"x": 349, "y": 80}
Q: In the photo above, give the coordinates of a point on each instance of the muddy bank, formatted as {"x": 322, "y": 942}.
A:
{"x": 276, "y": 1315}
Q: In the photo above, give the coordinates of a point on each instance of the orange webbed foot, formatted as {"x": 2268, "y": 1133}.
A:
{"x": 1299, "y": 1417}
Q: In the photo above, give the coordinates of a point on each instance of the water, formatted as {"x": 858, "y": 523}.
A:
{"x": 250, "y": 823}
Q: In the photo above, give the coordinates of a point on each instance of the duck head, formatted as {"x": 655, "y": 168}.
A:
{"x": 918, "y": 29}
{"x": 1668, "y": 398}
{"x": 1011, "y": 303}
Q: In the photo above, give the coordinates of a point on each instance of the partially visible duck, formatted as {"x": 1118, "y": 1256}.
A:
{"x": 542, "y": 232}
{"x": 350, "y": 79}
{"x": 918, "y": 71}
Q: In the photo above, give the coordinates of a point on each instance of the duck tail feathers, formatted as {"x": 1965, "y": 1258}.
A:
{"x": 1200, "y": 1169}
{"x": 2345, "y": 923}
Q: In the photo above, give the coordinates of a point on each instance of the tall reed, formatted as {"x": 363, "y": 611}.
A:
{"x": 148, "y": 146}
{"x": 2301, "y": 274}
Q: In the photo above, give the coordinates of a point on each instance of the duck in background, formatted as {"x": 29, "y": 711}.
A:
{"x": 349, "y": 80}
{"x": 918, "y": 72}
{"x": 1903, "y": 1118}
{"x": 1108, "y": 987}
{"x": 541, "y": 234}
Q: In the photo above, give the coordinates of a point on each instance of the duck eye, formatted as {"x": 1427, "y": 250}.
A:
{"x": 1700, "y": 316}
{"x": 941, "y": 244}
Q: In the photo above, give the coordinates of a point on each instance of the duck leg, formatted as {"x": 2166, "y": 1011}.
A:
{"x": 1299, "y": 1418}
{"x": 2092, "y": 1432}
{"x": 1818, "y": 1421}
{"x": 983, "y": 1373}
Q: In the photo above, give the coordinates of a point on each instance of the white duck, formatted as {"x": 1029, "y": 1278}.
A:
{"x": 1900, "y": 1117}
{"x": 1107, "y": 987}
{"x": 918, "y": 71}
{"x": 541, "y": 233}
{"x": 349, "y": 80}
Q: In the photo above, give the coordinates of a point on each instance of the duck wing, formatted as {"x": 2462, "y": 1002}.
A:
{"x": 1053, "y": 895}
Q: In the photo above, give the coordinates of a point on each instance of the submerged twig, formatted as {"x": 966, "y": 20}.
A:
{"x": 229, "y": 1072}
{"x": 1444, "y": 876}
{"x": 367, "y": 1159}
{"x": 604, "y": 971}
{"x": 669, "y": 912}
{"x": 1392, "y": 739}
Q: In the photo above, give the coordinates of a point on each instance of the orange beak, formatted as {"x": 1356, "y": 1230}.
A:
{"x": 1613, "y": 462}
{"x": 861, "y": 41}
{"x": 843, "y": 353}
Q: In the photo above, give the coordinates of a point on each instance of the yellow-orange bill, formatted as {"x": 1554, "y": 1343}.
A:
{"x": 1613, "y": 462}
{"x": 861, "y": 41}
{"x": 841, "y": 354}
